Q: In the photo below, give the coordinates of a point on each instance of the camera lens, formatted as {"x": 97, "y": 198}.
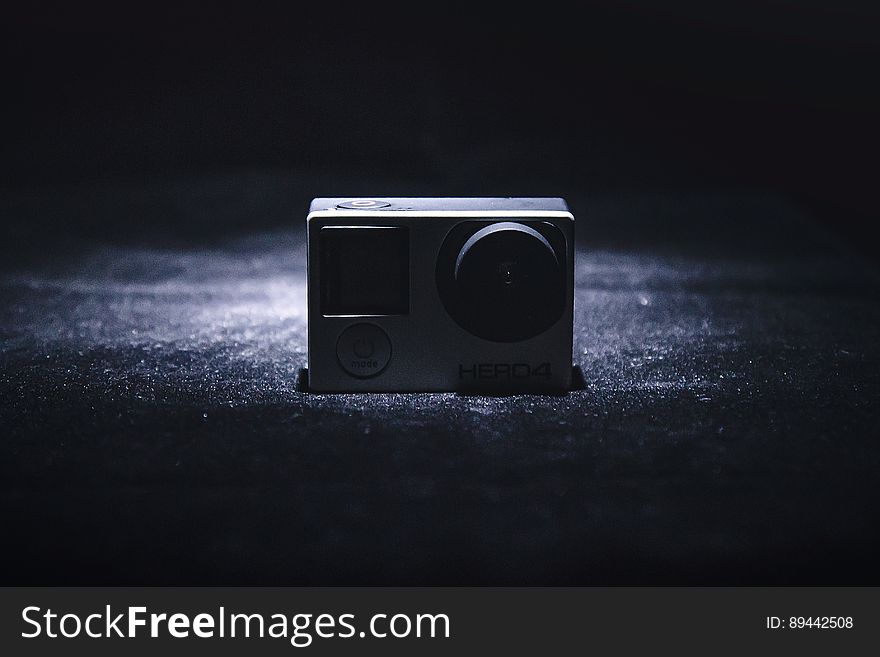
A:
{"x": 507, "y": 283}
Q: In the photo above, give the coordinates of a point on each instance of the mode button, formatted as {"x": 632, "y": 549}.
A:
{"x": 363, "y": 350}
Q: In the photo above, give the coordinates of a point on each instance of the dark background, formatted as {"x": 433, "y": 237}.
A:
{"x": 155, "y": 167}
{"x": 770, "y": 95}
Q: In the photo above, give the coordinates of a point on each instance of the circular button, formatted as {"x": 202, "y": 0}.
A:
{"x": 363, "y": 204}
{"x": 363, "y": 350}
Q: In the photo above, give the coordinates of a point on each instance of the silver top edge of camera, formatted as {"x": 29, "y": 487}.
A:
{"x": 471, "y": 207}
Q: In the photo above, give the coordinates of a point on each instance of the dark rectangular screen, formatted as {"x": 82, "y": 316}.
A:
{"x": 364, "y": 270}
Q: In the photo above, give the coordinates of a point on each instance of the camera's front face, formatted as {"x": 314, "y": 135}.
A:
{"x": 471, "y": 295}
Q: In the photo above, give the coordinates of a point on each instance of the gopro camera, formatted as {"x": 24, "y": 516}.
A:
{"x": 440, "y": 294}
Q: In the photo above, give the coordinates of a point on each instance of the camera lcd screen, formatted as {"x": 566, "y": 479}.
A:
{"x": 364, "y": 270}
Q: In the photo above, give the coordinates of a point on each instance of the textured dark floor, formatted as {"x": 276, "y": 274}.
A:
{"x": 153, "y": 431}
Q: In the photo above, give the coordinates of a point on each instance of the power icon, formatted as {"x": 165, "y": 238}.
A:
{"x": 363, "y": 348}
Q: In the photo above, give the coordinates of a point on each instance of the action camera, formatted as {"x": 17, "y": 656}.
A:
{"x": 440, "y": 294}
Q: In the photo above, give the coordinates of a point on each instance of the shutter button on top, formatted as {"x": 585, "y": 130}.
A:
{"x": 363, "y": 204}
{"x": 363, "y": 350}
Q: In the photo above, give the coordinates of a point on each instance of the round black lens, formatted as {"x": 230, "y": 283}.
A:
{"x": 507, "y": 283}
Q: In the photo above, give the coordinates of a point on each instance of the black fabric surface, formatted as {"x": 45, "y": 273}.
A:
{"x": 154, "y": 429}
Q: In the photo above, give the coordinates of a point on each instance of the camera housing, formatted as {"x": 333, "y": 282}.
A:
{"x": 440, "y": 294}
